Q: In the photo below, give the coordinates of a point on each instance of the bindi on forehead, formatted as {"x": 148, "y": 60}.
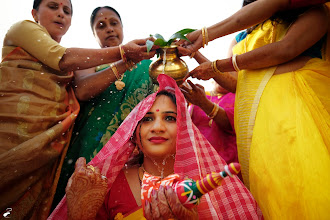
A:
{"x": 157, "y": 110}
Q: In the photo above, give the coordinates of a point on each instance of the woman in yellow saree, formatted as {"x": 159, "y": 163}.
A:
{"x": 282, "y": 116}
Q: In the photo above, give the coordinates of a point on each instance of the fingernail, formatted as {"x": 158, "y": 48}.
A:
{"x": 153, "y": 193}
{"x": 161, "y": 187}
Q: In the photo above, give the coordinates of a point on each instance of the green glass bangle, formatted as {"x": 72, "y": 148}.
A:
{"x": 101, "y": 67}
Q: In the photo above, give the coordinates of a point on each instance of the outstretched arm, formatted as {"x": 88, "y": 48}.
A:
{"x": 246, "y": 17}
{"x": 78, "y": 58}
{"x": 298, "y": 39}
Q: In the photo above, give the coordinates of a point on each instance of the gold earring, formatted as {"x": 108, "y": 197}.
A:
{"x": 136, "y": 151}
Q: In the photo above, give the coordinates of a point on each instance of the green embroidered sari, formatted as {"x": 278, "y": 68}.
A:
{"x": 100, "y": 117}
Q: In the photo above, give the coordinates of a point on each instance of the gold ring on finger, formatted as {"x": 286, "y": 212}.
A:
{"x": 91, "y": 167}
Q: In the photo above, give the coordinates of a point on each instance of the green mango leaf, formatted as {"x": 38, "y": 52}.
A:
{"x": 178, "y": 36}
{"x": 149, "y": 44}
{"x": 158, "y": 36}
{"x": 181, "y": 34}
{"x": 160, "y": 42}
{"x": 185, "y": 31}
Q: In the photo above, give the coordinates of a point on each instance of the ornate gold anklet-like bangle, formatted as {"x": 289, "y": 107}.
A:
{"x": 205, "y": 37}
{"x": 215, "y": 68}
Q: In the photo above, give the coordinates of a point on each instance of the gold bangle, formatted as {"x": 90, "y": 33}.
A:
{"x": 214, "y": 111}
{"x": 206, "y": 36}
{"x": 122, "y": 53}
{"x": 215, "y": 68}
{"x": 203, "y": 34}
{"x": 114, "y": 70}
{"x": 234, "y": 62}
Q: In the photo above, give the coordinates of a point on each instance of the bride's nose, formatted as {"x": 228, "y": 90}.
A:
{"x": 158, "y": 126}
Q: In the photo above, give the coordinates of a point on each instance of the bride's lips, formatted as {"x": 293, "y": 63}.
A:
{"x": 157, "y": 140}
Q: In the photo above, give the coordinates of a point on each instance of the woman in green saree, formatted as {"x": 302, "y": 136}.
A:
{"x": 107, "y": 105}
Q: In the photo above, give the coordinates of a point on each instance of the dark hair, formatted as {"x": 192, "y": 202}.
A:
{"x": 246, "y": 2}
{"x": 93, "y": 15}
{"x": 286, "y": 16}
{"x": 36, "y": 4}
{"x": 168, "y": 94}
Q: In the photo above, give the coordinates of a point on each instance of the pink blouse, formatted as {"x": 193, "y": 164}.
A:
{"x": 224, "y": 141}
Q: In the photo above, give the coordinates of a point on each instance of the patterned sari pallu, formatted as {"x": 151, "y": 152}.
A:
{"x": 37, "y": 112}
{"x": 195, "y": 158}
{"x": 282, "y": 126}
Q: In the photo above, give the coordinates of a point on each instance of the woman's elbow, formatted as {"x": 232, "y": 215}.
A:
{"x": 286, "y": 53}
{"x": 82, "y": 94}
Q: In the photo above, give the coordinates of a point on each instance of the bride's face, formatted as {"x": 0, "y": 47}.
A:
{"x": 156, "y": 133}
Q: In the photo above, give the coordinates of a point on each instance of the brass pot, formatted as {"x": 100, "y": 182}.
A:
{"x": 168, "y": 63}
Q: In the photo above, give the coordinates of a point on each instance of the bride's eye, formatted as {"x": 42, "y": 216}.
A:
{"x": 170, "y": 118}
{"x": 145, "y": 119}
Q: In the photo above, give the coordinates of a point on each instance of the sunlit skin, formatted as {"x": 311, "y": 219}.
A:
{"x": 156, "y": 135}
{"x": 107, "y": 28}
{"x": 55, "y": 16}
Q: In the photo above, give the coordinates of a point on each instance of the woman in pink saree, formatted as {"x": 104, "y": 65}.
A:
{"x": 194, "y": 157}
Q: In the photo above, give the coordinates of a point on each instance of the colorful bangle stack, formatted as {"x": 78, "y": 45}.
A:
{"x": 119, "y": 83}
{"x": 234, "y": 62}
{"x": 215, "y": 68}
{"x": 205, "y": 37}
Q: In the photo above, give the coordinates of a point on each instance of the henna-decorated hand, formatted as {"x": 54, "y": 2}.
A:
{"x": 179, "y": 211}
{"x": 158, "y": 207}
{"x": 165, "y": 205}
{"x": 194, "y": 93}
{"x": 85, "y": 191}
{"x": 203, "y": 71}
{"x": 195, "y": 42}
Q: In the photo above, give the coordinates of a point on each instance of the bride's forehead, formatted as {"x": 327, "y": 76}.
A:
{"x": 162, "y": 102}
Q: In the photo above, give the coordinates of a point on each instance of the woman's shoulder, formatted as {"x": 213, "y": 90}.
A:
{"x": 23, "y": 28}
{"x": 25, "y": 24}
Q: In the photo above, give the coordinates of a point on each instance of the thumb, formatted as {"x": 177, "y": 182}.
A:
{"x": 80, "y": 163}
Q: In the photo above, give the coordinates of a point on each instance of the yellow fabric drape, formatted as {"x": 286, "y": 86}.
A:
{"x": 284, "y": 136}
